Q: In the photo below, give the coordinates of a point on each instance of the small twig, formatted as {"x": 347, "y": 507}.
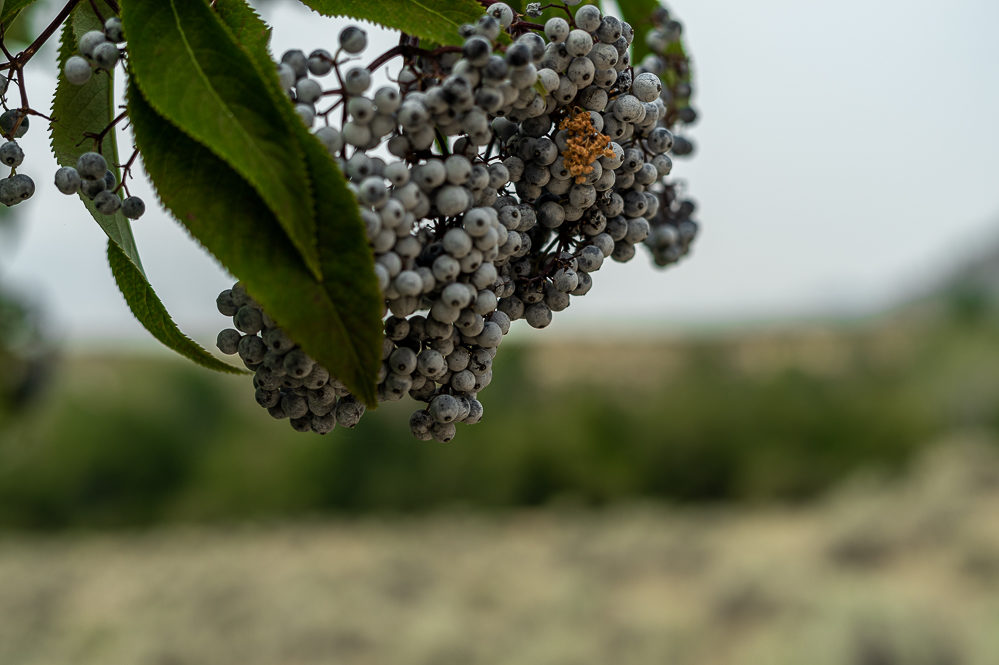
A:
{"x": 24, "y": 56}
{"x": 126, "y": 172}
{"x": 99, "y": 137}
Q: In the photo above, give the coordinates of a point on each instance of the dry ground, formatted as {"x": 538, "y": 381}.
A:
{"x": 876, "y": 574}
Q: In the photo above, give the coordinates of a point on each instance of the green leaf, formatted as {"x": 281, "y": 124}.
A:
{"x": 89, "y": 108}
{"x": 247, "y": 28}
{"x": 435, "y": 20}
{"x": 639, "y": 14}
{"x": 150, "y": 311}
{"x": 193, "y": 73}
{"x": 345, "y": 257}
{"x": 253, "y": 247}
{"x": 10, "y": 10}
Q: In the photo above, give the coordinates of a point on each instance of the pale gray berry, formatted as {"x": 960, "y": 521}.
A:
{"x": 588, "y": 18}
{"x": 296, "y": 59}
{"x": 228, "y": 341}
{"x": 295, "y": 406}
{"x": 320, "y": 62}
{"x": 77, "y": 70}
{"x": 107, "y": 202}
{"x": 557, "y": 29}
{"x": 357, "y": 80}
{"x": 307, "y": 90}
{"x": 443, "y": 432}
{"x": 133, "y": 207}
{"x": 307, "y": 113}
{"x": 106, "y": 56}
{"x": 502, "y": 13}
{"x": 420, "y": 423}
{"x": 11, "y": 154}
{"x": 266, "y": 397}
{"x": 353, "y": 40}
{"x": 297, "y": 364}
{"x": 444, "y": 408}
{"x": 286, "y": 75}
{"x": 92, "y": 166}
{"x": 251, "y": 349}
{"x": 67, "y": 180}
{"x": 113, "y": 30}
{"x": 9, "y": 119}
{"x": 349, "y": 411}
{"x": 91, "y": 40}
{"x": 225, "y": 303}
{"x": 578, "y": 43}
{"x": 248, "y": 319}
{"x": 323, "y": 424}
{"x": 538, "y": 315}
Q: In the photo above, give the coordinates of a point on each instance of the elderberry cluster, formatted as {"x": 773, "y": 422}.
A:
{"x": 513, "y": 172}
{"x": 99, "y": 50}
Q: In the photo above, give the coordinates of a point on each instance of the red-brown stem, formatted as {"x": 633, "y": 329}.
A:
{"x": 99, "y": 137}
{"x": 126, "y": 172}
{"x": 22, "y": 58}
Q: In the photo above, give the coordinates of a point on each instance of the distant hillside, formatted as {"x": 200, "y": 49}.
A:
{"x": 969, "y": 291}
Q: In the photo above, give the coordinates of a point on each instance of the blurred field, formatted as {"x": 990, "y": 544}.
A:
{"x": 822, "y": 494}
{"x": 770, "y": 415}
{"x": 899, "y": 573}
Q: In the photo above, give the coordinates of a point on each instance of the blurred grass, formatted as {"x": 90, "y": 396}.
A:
{"x": 899, "y": 573}
{"x": 768, "y": 415}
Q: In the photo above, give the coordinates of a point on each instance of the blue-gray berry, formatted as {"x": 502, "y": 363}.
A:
{"x": 297, "y": 61}
{"x": 320, "y": 62}
{"x": 349, "y": 411}
{"x": 248, "y": 319}
{"x": 225, "y": 303}
{"x": 91, "y": 40}
{"x": 251, "y": 349}
{"x": 91, "y": 188}
{"x": 90, "y": 165}
{"x": 11, "y": 154}
{"x": 353, "y": 40}
{"x": 106, "y": 55}
{"x": 133, "y": 207}
{"x": 228, "y": 341}
{"x": 107, "y": 202}
{"x": 113, "y": 30}
{"x": 67, "y": 180}
{"x": 77, "y": 70}
{"x": 9, "y": 119}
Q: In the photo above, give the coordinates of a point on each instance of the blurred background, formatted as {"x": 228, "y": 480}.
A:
{"x": 783, "y": 450}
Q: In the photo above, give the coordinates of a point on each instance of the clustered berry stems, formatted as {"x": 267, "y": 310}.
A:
{"x": 98, "y": 138}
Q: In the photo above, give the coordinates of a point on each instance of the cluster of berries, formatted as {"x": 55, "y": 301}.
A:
{"x": 515, "y": 172}
{"x": 98, "y": 50}
{"x": 16, "y": 187}
{"x": 91, "y": 177}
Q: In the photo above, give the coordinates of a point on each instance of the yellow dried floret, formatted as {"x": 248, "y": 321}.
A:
{"x": 586, "y": 145}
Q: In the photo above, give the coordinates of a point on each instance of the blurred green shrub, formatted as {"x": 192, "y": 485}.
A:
{"x": 133, "y": 441}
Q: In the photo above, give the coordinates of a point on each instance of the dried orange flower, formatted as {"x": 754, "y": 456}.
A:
{"x": 586, "y": 144}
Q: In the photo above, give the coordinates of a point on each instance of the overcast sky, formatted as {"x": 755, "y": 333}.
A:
{"x": 847, "y": 155}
